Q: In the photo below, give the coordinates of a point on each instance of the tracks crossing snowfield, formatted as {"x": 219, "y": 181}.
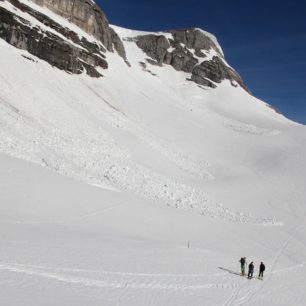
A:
{"x": 245, "y": 292}
{"x": 124, "y": 263}
{"x": 122, "y": 280}
{"x": 243, "y": 289}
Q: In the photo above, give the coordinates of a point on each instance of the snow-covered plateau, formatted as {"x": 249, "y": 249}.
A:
{"x": 142, "y": 187}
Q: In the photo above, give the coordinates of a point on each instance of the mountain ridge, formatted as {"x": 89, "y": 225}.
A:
{"x": 65, "y": 49}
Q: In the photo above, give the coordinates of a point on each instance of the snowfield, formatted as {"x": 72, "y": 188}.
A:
{"x": 104, "y": 183}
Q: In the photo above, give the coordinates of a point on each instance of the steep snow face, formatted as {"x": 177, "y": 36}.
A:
{"x": 182, "y": 159}
{"x": 147, "y": 130}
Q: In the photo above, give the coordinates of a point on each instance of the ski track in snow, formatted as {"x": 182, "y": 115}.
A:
{"x": 242, "y": 291}
{"x": 243, "y": 294}
{"x": 120, "y": 280}
{"x": 249, "y": 296}
{"x": 71, "y": 220}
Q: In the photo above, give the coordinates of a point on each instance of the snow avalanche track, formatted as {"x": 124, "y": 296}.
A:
{"x": 124, "y": 150}
{"x": 85, "y": 130}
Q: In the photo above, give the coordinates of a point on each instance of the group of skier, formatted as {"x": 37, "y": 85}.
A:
{"x": 243, "y": 264}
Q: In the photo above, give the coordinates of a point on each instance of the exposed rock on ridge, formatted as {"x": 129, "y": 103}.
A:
{"x": 58, "y": 45}
{"x": 186, "y": 51}
{"x": 73, "y": 57}
{"x": 215, "y": 70}
{"x": 86, "y": 15}
{"x": 194, "y": 39}
{"x": 118, "y": 44}
{"x": 190, "y": 50}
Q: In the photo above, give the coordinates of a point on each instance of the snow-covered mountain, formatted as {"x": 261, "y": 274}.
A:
{"x": 172, "y": 147}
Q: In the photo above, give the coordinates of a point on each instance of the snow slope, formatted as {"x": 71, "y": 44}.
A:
{"x": 145, "y": 141}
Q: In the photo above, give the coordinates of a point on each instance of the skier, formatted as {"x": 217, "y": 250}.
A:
{"x": 242, "y": 264}
{"x": 251, "y": 270}
{"x": 262, "y": 268}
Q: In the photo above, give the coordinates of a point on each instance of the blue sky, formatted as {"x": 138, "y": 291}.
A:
{"x": 265, "y": 41}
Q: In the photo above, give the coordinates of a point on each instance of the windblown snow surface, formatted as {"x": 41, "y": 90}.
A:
{"x": 136, "y": 166}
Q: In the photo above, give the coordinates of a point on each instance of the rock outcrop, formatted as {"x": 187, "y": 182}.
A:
{"x": 190, "y": 50}
{"x": 194, "y": 39}
{"x": 86, "y": 15}
{"x": 215, "y": 70}
{"x": 155, "y": 46}
{"x": 58, "y": 45}
{"x": 186, "y": 51}
{"x": 118, "y": 44}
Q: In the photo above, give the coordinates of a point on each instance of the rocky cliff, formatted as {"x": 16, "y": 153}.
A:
{"x": 193, "y": 51}
{"x": 89, "y": 17}
{"x": 27, "y": 28}
{"x": 27, "y": 25}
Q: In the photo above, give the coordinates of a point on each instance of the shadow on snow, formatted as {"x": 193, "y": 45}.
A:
{"x": 229, "y": 271}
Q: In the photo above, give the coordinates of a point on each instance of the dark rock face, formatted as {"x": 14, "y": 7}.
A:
{"x": 85, "y": 14}
{"x": 154, "y": 46}
{"x": 181, "y": 58}
{"x": 63, "y": 48}
{"x": 184, "y": 51}
{"x": 118, "y": 45}
{"x": 194, "y": 39}
{"x": 72, "y": 55}
{"x": 215, "y": 70}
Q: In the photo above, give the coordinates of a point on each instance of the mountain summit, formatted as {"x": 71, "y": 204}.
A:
{"x": 75, "y": 35}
